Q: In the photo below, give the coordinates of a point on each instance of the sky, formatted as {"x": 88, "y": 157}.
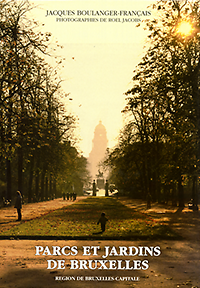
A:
{"x": 101, "y": 52}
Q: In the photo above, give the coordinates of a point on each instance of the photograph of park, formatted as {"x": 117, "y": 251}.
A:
{"x": 99, "y": 143}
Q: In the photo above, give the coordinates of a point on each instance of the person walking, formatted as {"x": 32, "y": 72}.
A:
{"x": 18, "y": 205}
{"x": 94, "y": 189}
{"x": 106, "y": 189}
{"x": 102, "y": 221}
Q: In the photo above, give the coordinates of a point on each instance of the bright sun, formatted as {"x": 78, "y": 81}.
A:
{"x": 185, "y": 28}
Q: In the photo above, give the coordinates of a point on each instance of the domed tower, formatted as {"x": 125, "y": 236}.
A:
{"x": 99, "y": 145}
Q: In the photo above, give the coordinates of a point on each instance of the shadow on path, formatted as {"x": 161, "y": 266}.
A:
{"x": 31, "y": 211}
{"x": 183, "y": 220}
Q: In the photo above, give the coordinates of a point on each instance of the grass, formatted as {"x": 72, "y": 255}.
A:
{"x": 79, "y": 221}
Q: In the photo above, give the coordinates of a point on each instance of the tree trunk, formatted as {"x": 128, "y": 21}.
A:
{"x": 174, "y": 196}
{"x": 37, "y": 176}
{"x": 50, "y": 187}
{"x": 20, "y": 170}
{"x": 8, "y": 180}
{"x": 180, "y": 193}
{"x": 8, "y": 161}
{"x": 30, "y": 182}
{"x": 46, "y": 187}
{"x": 54, "y": 187}
{"x": 42, "y": 185}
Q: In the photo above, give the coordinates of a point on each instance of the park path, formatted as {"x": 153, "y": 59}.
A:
{"x": 177, "y": 266}
{"x": 8, "y": 215}
{"x": 185, "y": 221}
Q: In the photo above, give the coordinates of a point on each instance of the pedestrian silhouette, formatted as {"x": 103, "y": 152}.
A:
{"x": 94, "y": 189}
{"x": 106, "y": 188}
{"x": 102, "y": 221}
{"x": 74, "y": 196}
{"x": 18, "y": 205}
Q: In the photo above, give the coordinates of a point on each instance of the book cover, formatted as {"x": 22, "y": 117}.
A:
{"x": 100, "y": 135}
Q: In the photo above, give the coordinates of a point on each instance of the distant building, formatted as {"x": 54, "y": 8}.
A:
{"x": 99, "y": 145}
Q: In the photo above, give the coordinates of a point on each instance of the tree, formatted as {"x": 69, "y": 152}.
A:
{"x": 34, "y": 124}
{"x": 163, "y": 99}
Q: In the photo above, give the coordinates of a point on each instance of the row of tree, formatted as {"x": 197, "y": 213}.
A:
{"x": 36, "y": 134}
{"x": 158, "y": 149}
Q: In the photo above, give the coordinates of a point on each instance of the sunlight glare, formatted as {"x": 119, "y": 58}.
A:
{"x": 185, "y": 28}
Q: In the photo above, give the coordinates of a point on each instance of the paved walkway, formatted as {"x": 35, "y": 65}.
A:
{"x": 8, "y": 215}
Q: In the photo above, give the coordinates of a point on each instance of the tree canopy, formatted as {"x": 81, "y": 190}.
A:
{"x": 158, "y": 148}
{"x": 36, "y": 131}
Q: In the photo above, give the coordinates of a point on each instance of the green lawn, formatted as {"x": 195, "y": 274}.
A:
{"x": 79, "y": 221}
